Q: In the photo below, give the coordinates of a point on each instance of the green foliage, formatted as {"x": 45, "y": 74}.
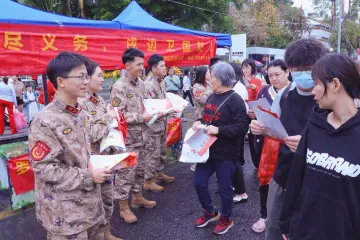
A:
{"x": 174, "y": 13}
{"x": 350, "y": 38}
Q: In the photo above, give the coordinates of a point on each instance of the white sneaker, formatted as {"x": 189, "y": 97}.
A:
{"x": 240, "y": 198}
{"x": 259, "y": 226}
{"x": 193, "y": 166}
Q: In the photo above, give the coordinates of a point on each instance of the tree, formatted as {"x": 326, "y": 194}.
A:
{"x": 324, "y": 7}
{"x": 164, "y": 10}
{"x": 350, "y": 37}
{"x": 73, "y": 8}
{"x": 267, "y": 25}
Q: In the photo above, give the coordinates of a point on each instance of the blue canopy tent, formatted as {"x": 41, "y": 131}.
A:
{"x": 12, "y": 12}
{"x": 135, "y": 18}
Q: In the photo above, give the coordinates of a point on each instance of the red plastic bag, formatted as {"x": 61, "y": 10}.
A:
{"x": 20, "y": 120}
{"x": 269, "y": 158}
{"x": 21, "y": 174}
{"x": 122, "y": 126}
{"x": 173, "y": 131}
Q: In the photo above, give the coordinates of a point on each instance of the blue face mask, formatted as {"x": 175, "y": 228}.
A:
{"x": 303, "y": 79}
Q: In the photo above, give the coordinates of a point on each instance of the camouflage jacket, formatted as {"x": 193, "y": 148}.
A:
{"x": 95, "y": 106}
{"x": 128, "y": 95}
{"x": 67, "y": 199}
{"x": 156, "y": 90}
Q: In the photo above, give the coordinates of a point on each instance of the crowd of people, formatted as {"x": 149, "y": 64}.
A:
{"x": 307, "y": 181}
{"x": 13, "y": 96}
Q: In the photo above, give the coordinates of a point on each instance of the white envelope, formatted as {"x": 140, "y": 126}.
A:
{"x": 189, "y": 156}
{"x": 113, "y": 162}
{"x": 114, "y": 139}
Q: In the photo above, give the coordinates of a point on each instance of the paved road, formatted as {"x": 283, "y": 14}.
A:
{"x": 172, "y": 219}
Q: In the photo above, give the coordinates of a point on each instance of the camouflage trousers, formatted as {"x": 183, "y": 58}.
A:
{"x": 107, "y": 196}
{"x": 95, "y": 232}
{"x": 132, "y": 178}
{"x": 155, "y": 154}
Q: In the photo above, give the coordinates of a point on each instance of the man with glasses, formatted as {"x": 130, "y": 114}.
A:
{"x": 128, "y": 95}
{"x": 293, "y": 105}
{"x": 68, "y": 197}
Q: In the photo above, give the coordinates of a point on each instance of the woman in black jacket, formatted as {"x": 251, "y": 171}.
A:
{"x": 225, "y": 117}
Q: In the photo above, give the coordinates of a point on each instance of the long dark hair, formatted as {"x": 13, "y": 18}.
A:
{"x": 201, "y": 74}
{"x": 250, "y": 62}
{"x": 238, "y": 72}
{"x": 6, "y": 80}
{"x": 341, "y": 67}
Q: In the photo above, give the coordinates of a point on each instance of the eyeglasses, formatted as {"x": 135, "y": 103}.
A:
{"x": 298, "y": 73}
{"x": 82, "y": 77}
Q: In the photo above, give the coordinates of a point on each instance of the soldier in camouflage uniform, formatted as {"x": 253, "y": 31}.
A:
{"x": 128, "y": 95}
{"x": 155, "y": 135}
{"x": 68, "y": 197}
{"x": 95, "y": 106}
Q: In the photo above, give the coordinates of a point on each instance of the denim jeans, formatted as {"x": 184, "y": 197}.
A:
{"x": 224, "y": 170}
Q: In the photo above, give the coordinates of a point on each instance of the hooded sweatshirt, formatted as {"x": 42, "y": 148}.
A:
{"x": 322, "y": 199}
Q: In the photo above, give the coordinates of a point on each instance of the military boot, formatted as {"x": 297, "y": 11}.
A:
{"x": 139, "y": 201}
{"x": 150, "y": 185}
{"x": 162, "y": 177}
{"x": 126, "y": 213}
{"x": 108, "y": 235}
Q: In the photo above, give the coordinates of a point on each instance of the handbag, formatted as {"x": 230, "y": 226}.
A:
{"x": 221, "y": 104}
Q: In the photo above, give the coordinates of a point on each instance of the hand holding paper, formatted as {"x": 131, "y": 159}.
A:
{"x": 113, "y": 162}
{"x": 268, "y": 120}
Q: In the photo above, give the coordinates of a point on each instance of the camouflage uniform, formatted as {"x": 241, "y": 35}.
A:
{"x": 155, "y": 135}
{"x": 200, "y": 94}
{"x": 128, "y": 95}
{"x": 96, "y": 106}
{"x": 68, "y": 201}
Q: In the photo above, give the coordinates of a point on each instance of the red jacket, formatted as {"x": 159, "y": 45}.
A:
{"x": 51, "y": 93}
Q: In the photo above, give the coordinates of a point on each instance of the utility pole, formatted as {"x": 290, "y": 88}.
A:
{"x": 339, "y": 30}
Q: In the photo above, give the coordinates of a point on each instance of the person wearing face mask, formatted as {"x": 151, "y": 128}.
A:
{"x": 279, "y": 77}
{"x": 229, "y": 123}
{"x": 95, "y": 106}
{"x": 293, "y": 105}
{"x": 322, "y": 193}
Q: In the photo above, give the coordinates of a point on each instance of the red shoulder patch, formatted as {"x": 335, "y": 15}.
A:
{"x": 39, "y": 151}
{"x": 197, "y": 93}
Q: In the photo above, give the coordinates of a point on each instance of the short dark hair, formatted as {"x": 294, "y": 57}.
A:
{"x": 6, "y": 80}
{"x": 186, "y": 72}
{"x": 214, "y": 60}
{"x": 130, "y": 54}
{"x": 250, "y": 62}
{"x": 154, "y": 60}
{"x": 279, "y": 63}
{"x": 62, "y": 64}
{"x": 341, "y": 67}
{"x": 304, "y": 53}
{"x": 91, "y": 67}
{"x": 238, "y": 72}
{"x": 201, "y": 74}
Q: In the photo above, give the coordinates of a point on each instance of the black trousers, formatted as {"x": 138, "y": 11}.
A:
{"x": 188, "y": 94}
{"x": 238, "y": 181}
{"x": 255, "y": 144}
{"x": 264, "y": 191}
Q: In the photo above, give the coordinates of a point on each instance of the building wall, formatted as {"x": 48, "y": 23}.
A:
{"x": 238, "y": 48}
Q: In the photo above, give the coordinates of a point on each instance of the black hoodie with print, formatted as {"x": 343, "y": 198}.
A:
{"x": 322, "y": 199}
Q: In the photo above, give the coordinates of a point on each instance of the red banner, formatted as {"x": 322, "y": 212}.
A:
{"x": 27, "y": 49}
{"x": 21, "y": 174}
